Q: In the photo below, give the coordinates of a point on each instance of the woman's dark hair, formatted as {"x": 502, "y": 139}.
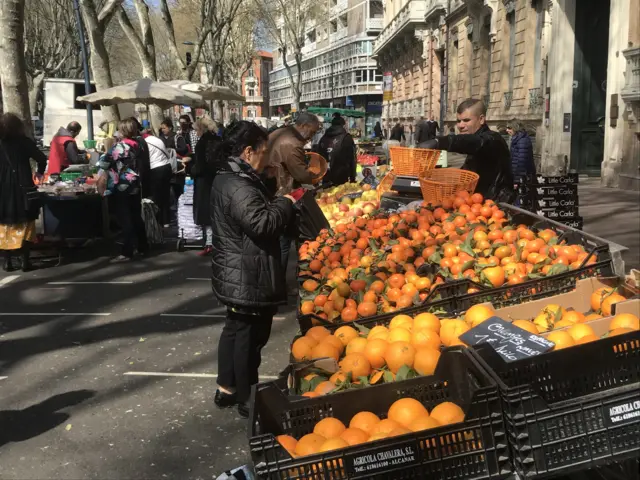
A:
{"x": 241, "y": 135}
{"x": 11, "y": 126}
{"x": 167, "y": 123}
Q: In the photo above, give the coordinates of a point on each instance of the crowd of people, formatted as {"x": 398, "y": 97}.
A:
{"x": 246, "y": 186}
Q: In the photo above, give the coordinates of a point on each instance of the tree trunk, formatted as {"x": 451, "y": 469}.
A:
{"x": 13, "y": 71}
{"x": 37, "y": 83}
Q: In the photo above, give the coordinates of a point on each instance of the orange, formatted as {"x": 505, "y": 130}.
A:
{"x": 399, "y": 431}
{"x": 592, "y": 316}
{"x": 345, "y": 334}
{"x": 375, "y": 350}
{"x": 426, "y": 320}
{"x": 426, "y": 360}
{"x": 356, "y": 364}
{"x": 424, "y": 423}
{"x": 495, "y": 275}
{"x": 338, "y": 377}
{"x": 526, "y": 325}
{"x": 478, "y": 314}
{"x": 399, "y": 334}
{"x": 356, "y": 345}
{"x": 354, "y": 436}
{"x": 309, "y": 444}
{"x": 423, "y": 283}
{"x": 404, "y": 321}
{"x": 563, "y": 324}
{"x": 335, "y": 342}
{"x": 625, "y": 320}
{"x": 425, "y": 338}
{"x": 562, "y": 339}
{"x": 325, "y": 349}
{"x": 302, "y": 349}
{"x": 307, "y": 307}
{"x": 598, "y": 296}
{"x": 607, "y": 303}
{"x": 377, "y": 330}
{"x": 587, "y": 339}
{"x": 377, "y": 436}
{"x": 324, "y": 388}
{"x": 396, "y": 280}
{"x": 385, "y": 426}
{"x": 317, "y": 333}
{"x": 310, "y": 394}
{"x": 399, "y": 354}
{"x": 364, "y": 421}
{"x": 404, "y": 301}
{"x": 447, "y": 413}
{"x": 349, "y": 314}
{"x": 451, "y": 330}
{"x": 406, "y": 410}
{"x": 574, "y": 316}
{"x": 329, "y": 427}
{"x": 333, "y": 444}
{"x": 367, "y": 309}
{"x": 288, "y": 443}
{"x": 310, "y": 285}
{"x": 620, "y": 331}
{"x": 580, "y": 330}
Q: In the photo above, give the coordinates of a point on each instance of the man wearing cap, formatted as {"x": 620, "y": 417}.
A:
{"x": 64, "y": 149}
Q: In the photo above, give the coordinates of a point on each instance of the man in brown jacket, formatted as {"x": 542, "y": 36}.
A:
{"x": 286, "y": 152}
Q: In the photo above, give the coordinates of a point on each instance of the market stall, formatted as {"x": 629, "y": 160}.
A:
{"x": 455, "y": 338}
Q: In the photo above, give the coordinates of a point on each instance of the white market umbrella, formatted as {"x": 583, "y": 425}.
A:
{"x": 144, "y": 91}
{"x": 208, "y": 92}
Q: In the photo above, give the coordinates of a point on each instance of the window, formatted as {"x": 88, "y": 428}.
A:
{"x": 251, "y": 92}
{"x": 511, "y": 19}
{"x": 537, "y": 54}
{"x": 378, "y": 77}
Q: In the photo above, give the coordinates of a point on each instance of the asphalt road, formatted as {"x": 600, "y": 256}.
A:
{"x": 70, "y": 338}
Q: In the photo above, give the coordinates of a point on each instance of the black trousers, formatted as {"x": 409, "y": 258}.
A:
{"x": 160, "y": 186}
{"x": 241, "y": 342}
{"x": 129, "y": 213}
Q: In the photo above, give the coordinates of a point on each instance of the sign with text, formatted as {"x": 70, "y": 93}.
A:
{"x": 510, "y": 342}
{"x": 622, "y": 413}
{"x": 374, "y": 461}
{"x": 387, "y": 87}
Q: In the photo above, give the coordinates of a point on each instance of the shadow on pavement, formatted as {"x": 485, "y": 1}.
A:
{"x": 21, "y": 425}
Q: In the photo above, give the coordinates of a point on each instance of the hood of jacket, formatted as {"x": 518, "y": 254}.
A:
{"x": 63, "y": 132}
{"x": 334, "y": 131}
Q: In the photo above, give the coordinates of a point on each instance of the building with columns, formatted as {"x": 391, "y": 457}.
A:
{"x": 567, "y": 69}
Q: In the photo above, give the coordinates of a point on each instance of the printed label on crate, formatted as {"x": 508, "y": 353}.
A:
{"x": 563, "y": 179}
{"x": 622, "y": 413}
{"x": 555, "y": 202}
{"x": 372, "y": 462}
{"x": 553, "y": 214}
{"x": 510, "y": 342}
{"x": 553, "y": 191}
{"x": 577, "y": 224}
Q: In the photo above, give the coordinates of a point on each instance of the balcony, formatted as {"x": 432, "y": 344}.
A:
{"x": 308, "y": 48}
{"x": 411, "y": 14}
{"x": 254, "y": 99}
{"x": 339, "y": 7}
{"x": 435, "y": 12}
{"x": 374, "y": 24}
{"x": 338, "y": 35}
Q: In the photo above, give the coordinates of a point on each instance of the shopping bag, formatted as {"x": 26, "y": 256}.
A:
{"x": 151, "y": 225}
{"x": 309, "y": 217}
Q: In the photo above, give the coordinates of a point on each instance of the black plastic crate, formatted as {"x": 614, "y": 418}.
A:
{"x": 473, "y": 449}
{"x": 571, "y": 409}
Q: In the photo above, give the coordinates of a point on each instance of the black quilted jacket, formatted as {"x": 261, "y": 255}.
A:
{"x": 247, "y": 224}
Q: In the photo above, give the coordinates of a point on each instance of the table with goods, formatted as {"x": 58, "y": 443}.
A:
{"x": 454, "y": 338}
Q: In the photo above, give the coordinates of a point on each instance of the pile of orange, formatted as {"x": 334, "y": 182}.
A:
{"x": 369, "y": 266}
{"x": 405, "y": 415}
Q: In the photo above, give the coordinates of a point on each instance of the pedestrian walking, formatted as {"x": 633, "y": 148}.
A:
{"x": 247, "y": 275}
{"x": 487, "y": 152}
{"x": 522, "y": 163}
{"x": 377, "y": 130}
{"x": 19, "y": 202}
{"x": 160, "y": 177}
{"x": 124, "y": 174}
{"x": 338, "y": 147}
{"x": 202, "y": 173}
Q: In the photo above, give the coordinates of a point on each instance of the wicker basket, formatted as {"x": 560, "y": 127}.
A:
{"x": 445, "y": 182}
{"x": 385, "y": 184}
{"x": 413, "y": 161}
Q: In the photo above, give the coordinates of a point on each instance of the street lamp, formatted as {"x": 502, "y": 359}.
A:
{"x": 87, "y": 78}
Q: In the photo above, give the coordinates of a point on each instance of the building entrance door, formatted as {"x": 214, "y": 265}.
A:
{"x": 589, "y": 85}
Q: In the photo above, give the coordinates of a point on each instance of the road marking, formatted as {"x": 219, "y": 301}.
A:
{"x": 90, "y": 283}
{"x": 190, "y": 375}
{"x": 63, "y": 314}
{"x": 194, "y": 315}
{"x": 7, "y": 280}
{"x": 2, "y": 378}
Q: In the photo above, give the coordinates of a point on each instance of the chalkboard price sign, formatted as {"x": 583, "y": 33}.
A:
{"x": 511, "y": 342}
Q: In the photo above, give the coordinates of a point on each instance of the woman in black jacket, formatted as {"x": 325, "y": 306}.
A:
{"x": 246, "y": 273}
{"x": 18, "y": 208}
{"x": 202, "y": 173}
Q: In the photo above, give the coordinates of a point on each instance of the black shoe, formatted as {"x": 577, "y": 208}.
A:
{"x": 7, "y": 266}
{"x": 224, "y": 400}
{"x": 243, "y": 410}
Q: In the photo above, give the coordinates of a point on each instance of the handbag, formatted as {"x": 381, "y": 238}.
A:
{"x": 32, "y": 197}
{"x": 309, "y": 219}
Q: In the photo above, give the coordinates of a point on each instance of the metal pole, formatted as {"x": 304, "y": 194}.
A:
{"x": 85, "y": 64}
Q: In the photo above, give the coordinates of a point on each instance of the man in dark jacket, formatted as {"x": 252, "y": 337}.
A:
{"x": 487, "y": 152}
{"x": 338, "y": 147}
{"x": 522, "y": 163}
{"x": 422, "y": 131}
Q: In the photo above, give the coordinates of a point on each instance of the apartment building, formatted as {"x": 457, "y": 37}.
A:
{"x": 255, "y": 86}
{"x": 337, "y": 68}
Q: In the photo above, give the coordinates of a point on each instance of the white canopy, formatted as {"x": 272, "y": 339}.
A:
{"x": 208, "y": 92}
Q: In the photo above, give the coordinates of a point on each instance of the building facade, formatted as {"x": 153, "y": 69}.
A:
{"x": 337, "y": 66}
{"x": 255, "y": 86}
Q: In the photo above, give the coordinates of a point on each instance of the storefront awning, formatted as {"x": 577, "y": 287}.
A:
{"x": 327, "y": 112}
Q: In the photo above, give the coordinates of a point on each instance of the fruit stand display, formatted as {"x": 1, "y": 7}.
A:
{"x": 392, "y": 375}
